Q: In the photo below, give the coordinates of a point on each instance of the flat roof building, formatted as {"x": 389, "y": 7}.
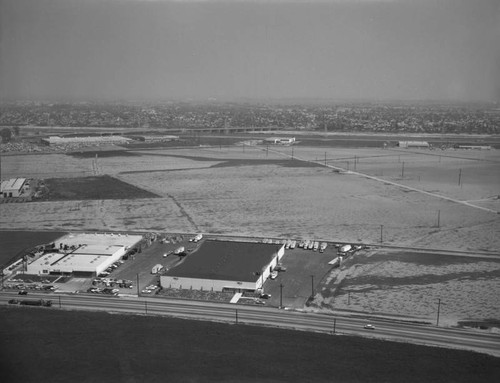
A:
{"x": 56, "y": 140}
{"x": 225, "y": 265}
{"x": 413, "y": 144}
{"x": 87, "y": 254}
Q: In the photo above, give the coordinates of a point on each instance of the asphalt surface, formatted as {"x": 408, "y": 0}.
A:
{"x": 467, "y": 339}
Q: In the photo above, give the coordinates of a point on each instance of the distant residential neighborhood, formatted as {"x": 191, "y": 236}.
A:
{"x": 322, "y": 116}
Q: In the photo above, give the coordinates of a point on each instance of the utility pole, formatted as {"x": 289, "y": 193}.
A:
{"x": 236, "y": 316}
{"x": 137, "y": 284}
{"x": 59, "y": 301}
{"x": 146, "y": 307}
{"x": 312, "y": 286}
{"x": 281, "y": 295}
{"x": 459, "y": 177}
{"x": 403, "y": 170}
{"x": 439, "y": 217}
{"x": 334, "y": 324}
{"x": 349, "y": 298}
{"x": 381, "y": 233}
{"x": 439, "y": 307}
{"x": 355, "y": 160}
{"x": 292, "y": 152}
{"x": 325, "y": 158}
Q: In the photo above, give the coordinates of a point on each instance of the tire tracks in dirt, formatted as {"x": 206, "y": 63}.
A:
{"x": 184, "y": 212}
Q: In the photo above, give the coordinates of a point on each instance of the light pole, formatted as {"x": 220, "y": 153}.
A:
{"x": 381, "y": 233}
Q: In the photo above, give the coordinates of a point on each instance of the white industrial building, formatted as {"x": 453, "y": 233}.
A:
{"x": 225, "y": 266}
{"x": 13, "y": 187}
{"x": 280, "y": 140}
{"x": 56, "y": 140}
{"x": 83, "y": 254}
{"x": 413, "y": 144}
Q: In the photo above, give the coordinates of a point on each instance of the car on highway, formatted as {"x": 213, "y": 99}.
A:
{"x": 369, "y": 327}
{"x": 23, "y": 292}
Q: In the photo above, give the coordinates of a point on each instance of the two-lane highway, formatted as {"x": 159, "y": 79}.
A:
{"x": 257, "y": 315}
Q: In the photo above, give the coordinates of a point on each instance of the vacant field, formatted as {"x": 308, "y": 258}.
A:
{"x": 118, "y": 348}
{"x": 398, "y": 284}
{"x": 252, "y": 191}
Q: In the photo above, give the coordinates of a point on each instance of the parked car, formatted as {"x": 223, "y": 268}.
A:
{"x": 273, "y": 275}
{"x": 280, "y": 268}
{"x": 265, "y": 296}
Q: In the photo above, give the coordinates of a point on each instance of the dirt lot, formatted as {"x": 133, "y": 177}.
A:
{"x": 410, "y": 285}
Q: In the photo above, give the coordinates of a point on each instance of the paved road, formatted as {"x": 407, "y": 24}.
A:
{"x": 407, "y": 332}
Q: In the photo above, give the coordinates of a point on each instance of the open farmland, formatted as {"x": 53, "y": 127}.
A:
{"x": 115, "y": 348}
{"x": 91, "y": 188}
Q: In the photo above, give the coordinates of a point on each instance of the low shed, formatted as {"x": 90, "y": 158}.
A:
{"x": 12, "y": 187}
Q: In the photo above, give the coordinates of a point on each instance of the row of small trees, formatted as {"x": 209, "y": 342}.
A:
{"x": 8, "y": 133}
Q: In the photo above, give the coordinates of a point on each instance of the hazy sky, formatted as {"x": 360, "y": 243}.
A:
{"x": 165, "y": 49}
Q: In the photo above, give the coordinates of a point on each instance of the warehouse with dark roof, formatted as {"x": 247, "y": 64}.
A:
{"x": 225, "y": 266}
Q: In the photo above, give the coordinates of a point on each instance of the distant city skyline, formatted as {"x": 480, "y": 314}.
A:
{"x": 231, "y": 50}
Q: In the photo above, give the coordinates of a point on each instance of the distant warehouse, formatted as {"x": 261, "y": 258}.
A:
{"x": 413, "y": 144}
{"x": 56, "y": 140}
{"x": 280, "y": 140}
{"x": 225, "y": 266}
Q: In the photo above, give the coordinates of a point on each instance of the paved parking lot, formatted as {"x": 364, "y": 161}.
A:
{"x": 296, "y": 280}
{"x": 139, "y": 266}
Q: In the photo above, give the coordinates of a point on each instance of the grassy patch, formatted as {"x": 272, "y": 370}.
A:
{"x": 50, "y": 345}
{"x": 15, "y": 243}
{"x": 92, "y": 188}
{"x": 103, "y": 154}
